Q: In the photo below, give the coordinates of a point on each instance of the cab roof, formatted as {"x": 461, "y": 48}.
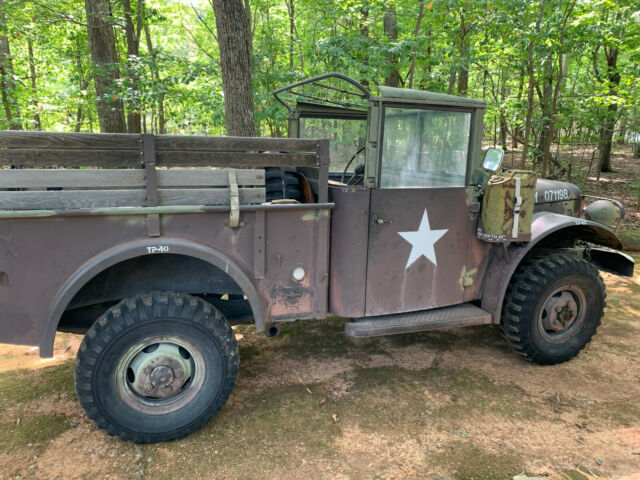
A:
{"x": 407, "y": 95}
{"x": 339, "y": 92}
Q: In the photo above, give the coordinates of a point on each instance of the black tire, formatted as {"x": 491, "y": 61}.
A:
{"x": 140, "y": 343}
{"x": 552, "y": 308}
{"x": 282, "y": 183}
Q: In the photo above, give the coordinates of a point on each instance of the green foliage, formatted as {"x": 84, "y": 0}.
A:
{"x": 179, "y": 77}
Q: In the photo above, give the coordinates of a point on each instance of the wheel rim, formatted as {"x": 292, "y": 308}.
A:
{"x": 160, "y": 375}
{"x": 562, "y": 313}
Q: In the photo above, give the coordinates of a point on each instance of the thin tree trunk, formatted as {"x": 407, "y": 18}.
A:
{"x": 364, "y": 31}
{"x": 390, "y": 23}
{"x": 34, "y": 87}
{"x": 532, "y": 83}
{"x": 106, "y": 72}
{"x": 463, "y": 46}
{"x": 503, "y": 120}
{"x": 291, "y": 11}
{"x": 416, "y": 33}
{"x": 452, "y": 81}
{"x": 156, "y": 76}
{"x": 235, "y": 63}
{"x": 7, "y": 78}
{"x": 606, "y": 131}
{"x": 517, "y": 130}
{"x": 133, "y": 52}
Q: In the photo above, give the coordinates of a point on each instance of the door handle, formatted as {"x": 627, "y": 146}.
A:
{"x": 381, "y": 221}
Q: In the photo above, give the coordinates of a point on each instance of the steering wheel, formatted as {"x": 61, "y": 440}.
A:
{"x": 358, "y": 172}
{"x": 358, "y": 152}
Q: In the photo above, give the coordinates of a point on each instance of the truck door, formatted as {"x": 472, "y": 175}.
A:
{"x": 420, "y": 222}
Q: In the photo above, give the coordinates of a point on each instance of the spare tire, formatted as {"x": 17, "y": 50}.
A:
{"x": 282, "y": 182}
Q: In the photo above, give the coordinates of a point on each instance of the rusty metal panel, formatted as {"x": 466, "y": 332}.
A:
{"x": 418, "y": 245}
{"x": 296, "y": 239}
{"x": 39, "y": 255}
{"x": 349, "y": 235}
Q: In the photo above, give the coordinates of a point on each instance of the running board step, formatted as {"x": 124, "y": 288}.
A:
{"x": 462, "y": 315}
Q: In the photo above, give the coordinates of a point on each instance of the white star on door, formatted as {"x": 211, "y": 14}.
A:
{"x": 422, "y": 241}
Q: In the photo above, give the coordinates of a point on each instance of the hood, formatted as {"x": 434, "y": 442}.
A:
{"x": 550, "y": 191}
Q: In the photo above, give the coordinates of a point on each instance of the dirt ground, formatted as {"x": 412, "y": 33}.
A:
{"x": 453, "y": 404}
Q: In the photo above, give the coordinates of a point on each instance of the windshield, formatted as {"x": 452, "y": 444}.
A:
{"x": 424, "y": 148}
{"x": 347, "y": 137}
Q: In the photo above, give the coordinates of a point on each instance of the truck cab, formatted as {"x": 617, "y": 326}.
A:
{"x": 424, "y": 219}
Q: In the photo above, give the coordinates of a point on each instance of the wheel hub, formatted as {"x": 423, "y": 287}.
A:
{"x": 160, "y": 371}
{"x": 560, "y": 311}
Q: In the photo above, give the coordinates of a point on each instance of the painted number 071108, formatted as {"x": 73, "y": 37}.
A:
{"x": 158, "y": 249}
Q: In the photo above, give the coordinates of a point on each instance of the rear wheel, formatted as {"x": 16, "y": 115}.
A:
{"x": 552, "y": 308}
{"x": 156, "y": 367}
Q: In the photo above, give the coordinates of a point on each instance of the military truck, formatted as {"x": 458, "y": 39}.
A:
{"x": 380, "y": 208}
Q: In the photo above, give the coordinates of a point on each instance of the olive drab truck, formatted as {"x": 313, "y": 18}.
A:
{"x": 382, "y": 209}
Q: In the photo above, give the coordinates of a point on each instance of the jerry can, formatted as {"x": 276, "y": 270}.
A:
{"x": 507, "y": 207}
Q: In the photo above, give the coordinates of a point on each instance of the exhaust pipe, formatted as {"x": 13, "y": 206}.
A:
{"x": 273, "y": 330}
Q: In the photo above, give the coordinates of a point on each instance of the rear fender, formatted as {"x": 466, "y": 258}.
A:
{"x": 139, "y": 248}
{"x": 549, "y": 231}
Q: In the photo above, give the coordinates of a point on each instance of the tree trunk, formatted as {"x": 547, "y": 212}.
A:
{"x": 292, "y": 26}
{"x": 532, "y": 84}
{"x": 235, "y": 63}
{"x": 606, "y": 130}
{"x": 133, "y": 52}
{"x": 463, "y": 46}
{"x": 547, "y": 132}
{"x": 517, "y": 129}
{"x": 416, "y": 34}
{"x": 106, "y": 72}
{"x": 34, "y": 87}
{"x": 364, "y": 31}
{"x": 156, "y": 77}
{"x": 390, "y": 23}
{"x": 503, "y": 120}
{"x": 7, "y": 80}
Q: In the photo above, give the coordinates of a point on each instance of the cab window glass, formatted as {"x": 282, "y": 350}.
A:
{"x": 424, "y": 148}
{"x": 347, "y": 139}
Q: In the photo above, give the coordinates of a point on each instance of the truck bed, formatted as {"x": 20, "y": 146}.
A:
{"x": 84, "y": 221}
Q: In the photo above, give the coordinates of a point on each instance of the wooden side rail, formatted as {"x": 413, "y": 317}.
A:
{"x": 47, "y": 149}
{"x": 61, "y": 189}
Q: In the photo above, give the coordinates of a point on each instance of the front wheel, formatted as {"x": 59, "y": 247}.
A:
{"x": 156, "y": 367}
{"x": 552, "y": 308}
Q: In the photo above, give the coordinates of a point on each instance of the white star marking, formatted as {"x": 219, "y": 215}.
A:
{"x": 422, "y": 241}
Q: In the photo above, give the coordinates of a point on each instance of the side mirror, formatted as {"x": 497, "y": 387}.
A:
{"x": 492, "y": 159}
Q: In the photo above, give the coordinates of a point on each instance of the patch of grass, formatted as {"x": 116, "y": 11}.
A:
{"x": 439, "y": 339}
{"x": 316, "y": 338}
{"x": 26, "y": 385}
{"x": 429, "y": 395}
{"x": 36, "y": 432}
{"x": 469, "y": 462}
{"x": 575, "y": 475}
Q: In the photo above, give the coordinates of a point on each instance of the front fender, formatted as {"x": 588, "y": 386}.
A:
{"x": 137, "y": 248}
{"x": 548, "y": 230}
